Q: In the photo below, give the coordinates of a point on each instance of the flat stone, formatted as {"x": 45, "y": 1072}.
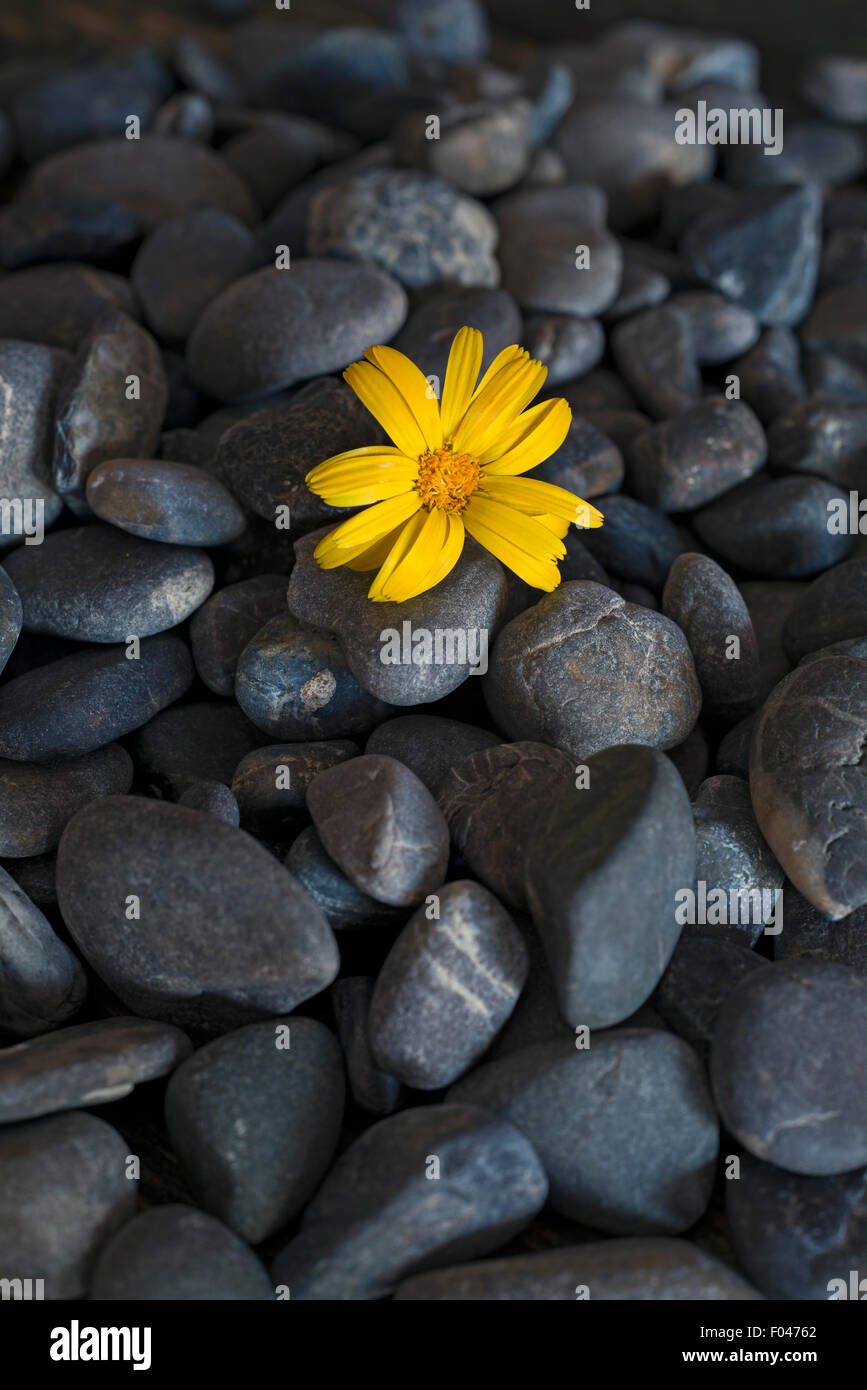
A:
{"x": 271, "y": 783}
{"x": 84, "y": 701}
{"x": 254, "y": 1118}
{"x": 776, "y": 527}
{"x": 631, "y": 823}
{"x": 59, "y": 305}
{"x": 42, "y": 983}
{"x": 227, "y": 621}
{"x": 215, "y": 798}
{"x": 174, "y": 503}
{"x": 372, "y": 1090}
{"x": 186, "y": 262}
{"x": 225, "y": 935}
{"x": 709, "y": 609}
{"x": 382, "y": 827}
{"x": 377, "y": 1218}
{"x": 37, "y": 799}
{"x": 429, "y": 744}
{"x": 541, "y": 233}
{"x": 688, "y": 461}
{"x": 177, "y": 1253}
{"x": 806, "y": 1119}
{"x": 446, "y": 988}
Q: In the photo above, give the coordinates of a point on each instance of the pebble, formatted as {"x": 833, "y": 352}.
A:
{"x": 413, "y": 225}
{"x": 215, "y": 798}
{"x": 569, "y": 346}
{"x": 700, "y": 976}
{"x": 691, "y": 759}
{"x": 36, "y": 228}
{"x": 493, "y": 800}
{"x": 546, "y": 234}
{"x": 731, "y": 854}
{"x": 42, "y": 983}
{"x": 35, "y": 877}
{"x": 254, "y": 1118}
{"x": 810, "y": 935}
{"x": 63, "y": 1193}
{"x": 805, "y": 779}
{"x": 186, "y": 116}
{"x": 834, "y": 378}
{"x": 294, "y": 682}
{"x": 761, "y": 250}
{"x": 372, "y": 1090}
{"x": 428, "y": 333}
{"x": 80, "y": 703}
{"x": 378, "y": 1217}
{"x": 37, "y": 799}
{"x": 558, "y": 672}
{"x": 831, "y": 609}
{"x": 482, "y": 149}
{"x": 630, "y": 823}
{"x": 814, "y": 152}
{"x": 344, "y": 906}
{"x": 222, "y": 627}
{"x": 359, "y": 808}
{"x": 587, "y": 463}
{"x": 174, "y": 503}
{"x": 446, "y": 988}
{"x": 637, "y": 543}
{"x": 10, "y": 618}
{"x": 824, "y": 437}
{"x": 185, "y": 263}
{"x": 429, "y": 745}
{"x": 770, "y": 375}
{"x": 314, "y": 319}
{"x": 89, "y": 1064}
{"x": 769, "y": 602}
{"x": 709, "y": 609}
{"x": 835, "y": 324}
{"x": 794, "y": 1235}
{"x": 809, "y": 1119}
{"x": 775, "y": 527}
{"x": 655, "y": 353}
{"x": 271, "y": 783}
{"x": 690, "y": 460}
{"x": 86, "y": 103}
{"x": 455, "y": 32}
{"x": 720, "y": 330}
{"x": 201, "y": 70}
{"x": 625, "y": 1129}
{"x": 202, "y": 741}
{"x": 650, "y": 1269}
{"x": 96, "y": 417}
{"x": 837, "y": 86}
{"x": 30, "y": 375}
{"x": 640, "y": 288}
{"x": 470, "y": 601}
{"x": 59, "y": 305}
{"x": 225, "y": 935}
{"x": 98, "y": 584}
{"x": 176, "y": 1253}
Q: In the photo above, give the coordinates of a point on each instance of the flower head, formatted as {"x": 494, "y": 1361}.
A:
{"x": 454, "y": 469}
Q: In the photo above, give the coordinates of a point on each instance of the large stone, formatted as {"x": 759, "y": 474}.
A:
{"x": 688, "y": 461}
{"x": 174, "y": 503}
{"x": 175, "y": 1253}
{"x": 42, "y": 983}
{"x": 37, "y": 799}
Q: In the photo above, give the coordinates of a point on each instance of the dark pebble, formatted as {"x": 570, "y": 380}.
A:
{"x": 587, "y": 463}
{"x": 344, "y": 906}
{"x": 215, "y": 798}
{"x": 429, "y": 744}
{"x": 86, "y": 103}
{"x": 428, "y": 333}
{"x": 700, "y": 976}
{"x": 179, "y": 1254}
{"x": 59, "y": 305}
{"x": 541, "y": 231}
{"x": 836, "y": 324}
{"x": 688, "y": 461}
{"x": 174, "y": 503}
{"x": 770, "y": 374}
{"x": 199, "y": 742}
{"x": 37, "y": 799}
{"x": 568, "y": 346}
{"x": 824, "y": 437}
{"x": 372, "y": 1090}
{"x": 776, "y": 527}
{"x": 709, "y": 609}
{"x": 185, "y": 263}
{"x": 42, "y": 984}
{"x": 271, "y": 783}
{"x": 832, "y": 609}
{"x": 720, "y": 329}
{"x": 655, "y": 353}
{"x": 456, "y": 31}
{"x": 809, "y": 935}
{"x": 731, "y": 854}
{"x": 227, "y": 621}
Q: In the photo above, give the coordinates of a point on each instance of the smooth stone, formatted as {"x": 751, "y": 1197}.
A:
{"x": 579, "y": 563}
{"x": 199, "y": 742}
{"x": 89, "y": 1064}
{"x": 446, "y": 988}
{"x": 493, "y": 800}
{"x": 270, "y": 783}
{"x": 824, "y": 437}
{"x": 653, "y": 1269}
{"x": 794, "y": 1235}
{"x": 174, "y": 503}
{"x": 770, "y": 374}
{"x": 372, "y": 1090}
{"x": 360, "y": 807}
{"x": 815, "y": 152}
{"x": 469, "y": 604}
{"x": 483, "y": 148}
{"x": 690, "y": 460}
{"x": 720, "y": 330}
{"x": 157, "y": 177}
{"x": 637, "y": 542}
{"x": 809, "y": 935}
{"x": 807, "y": 1119}
{"x": 277, "y": 153}
{"x": 731, "y": 854}
{"x": 97, "y": 584}
{"x": 832, "y": 609}
{"x": 598, "y": 143}
{"x": 225, "y": 937}
{"x": 201, "y": 70}
{"x": 175, "y": 1253}
{"x": 709, "y": 609}
{"x": 837, "y": 86}
{"x": 835, "y": 325}
{"x": 185, "y": 263}
{"x": 35, "y": 877}
{"x": 761, "y": 250}
{"x": 558, "y": 671}
{"x": 700, "y": 976}
{"x": 626, "y": 1129}
{"x": 429, "y": 744}
{"x": 254, "y": 1118}
{"x": 413, "y": 225}
{"x": 186, "y": 116}
{"x": 72, "y": 107}
{"x": 568, "y": 346}
{"x": 541, "y": 232}
{"x": 630, "y": 823}
{"x": 35, "y": 228}
{"x": 429, "y": 331}
{"x": 42, "y": 983}
{"x": 294, "y": 683}
{"x": 587, "y": 463}
{"x": 264, "y": 459}
{"x": 96, "y": 420}
{"x": 640, "y": 288}
{"x": 776, "y": 527}
{"x": 601, "y": 389}
{"x": 227, "y": 621}
{"x": 655, "y": 354}
{"x": 834, "y": 378}
{"x": 337, "y": 72}
{"x": 63, "y": 1194}
{"x": 37, "y": 799}
{"x": 377, "y": 1218}
{"x": 215, "y": 798}
{"x": 683, "y": 58}
{"x": 844, "y": 257}
{"x": 84, "y": 701}
{"x": 733, "y": 753}
{"x": 185, "y": 445}
{"x": 770, "y": 601}
{"x": 344, "y": 906}
{"x": 314, "y": 319}
{"x": 59, "y": 305}
{"x": 456, "y": 31}
{"x": 30, "y": 376}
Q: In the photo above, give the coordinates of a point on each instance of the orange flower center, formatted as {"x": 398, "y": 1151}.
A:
{"x": 447, "y": 480}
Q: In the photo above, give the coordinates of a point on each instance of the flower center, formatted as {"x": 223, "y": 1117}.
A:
{"x": 446, "y": 480}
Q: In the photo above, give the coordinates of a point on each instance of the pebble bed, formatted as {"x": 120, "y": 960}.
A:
{"x": 327, "y": 977}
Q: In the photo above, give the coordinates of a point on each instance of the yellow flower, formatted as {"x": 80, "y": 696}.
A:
{"x": 454, "y": 469}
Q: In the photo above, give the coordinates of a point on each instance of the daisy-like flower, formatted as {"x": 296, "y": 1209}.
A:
{"x": 455, "y": 469}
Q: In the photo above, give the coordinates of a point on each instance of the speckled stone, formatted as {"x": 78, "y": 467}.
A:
{"x": 175, "y": 503}
{"x": 175, "y": 1253}
{"x": 731, "y": 854}
{"x": 688, "y": 461}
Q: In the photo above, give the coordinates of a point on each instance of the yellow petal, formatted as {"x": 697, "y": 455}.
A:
{"x": 372, "y": 556}
{"x": 521, "y": 542}
{"x": 494, "y": 409}
{"x": 529, "y": 440}
{"x": 368, "y": 526}
{"x": 415, "y": 388}
{"x": 398, "y": 550}
{"x": 465, "y": 360}
{"x": 432, "y": 556}
{"x": 555, "y": 524}
{"x": 502, "y": 359}
{"x": 372, "y": 456}
{"x": 536, "y": 497}
{"x": 385, "y": 403}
